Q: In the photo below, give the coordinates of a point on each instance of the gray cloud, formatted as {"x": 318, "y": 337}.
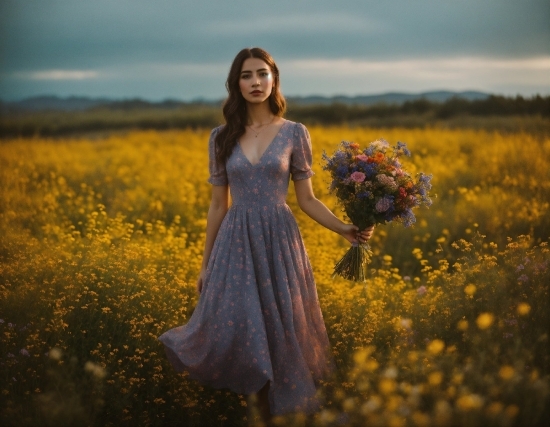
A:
{"x": 113, "y": 38}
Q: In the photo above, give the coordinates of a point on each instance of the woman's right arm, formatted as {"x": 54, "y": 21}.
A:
{"x": 216, "y": 213}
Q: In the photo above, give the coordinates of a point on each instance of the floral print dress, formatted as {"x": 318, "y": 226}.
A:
{"x": 258, "y": 317}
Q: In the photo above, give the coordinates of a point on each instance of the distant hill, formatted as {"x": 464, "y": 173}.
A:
{"x": 41, "y": 103}
{"x": 77, "y": 103}
{"x": 389, "y": 98}
{"x": 80, "y": 103}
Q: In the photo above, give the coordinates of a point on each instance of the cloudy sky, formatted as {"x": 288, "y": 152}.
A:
{"x": 182, "y": 49}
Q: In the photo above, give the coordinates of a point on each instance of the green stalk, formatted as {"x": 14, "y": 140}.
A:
{"x": 353, "y": 265}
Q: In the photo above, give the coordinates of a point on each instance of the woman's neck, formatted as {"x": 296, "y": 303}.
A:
{"x": 259, "y": 114}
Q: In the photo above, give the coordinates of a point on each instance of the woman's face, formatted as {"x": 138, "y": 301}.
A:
{"x": 256, "y": 80}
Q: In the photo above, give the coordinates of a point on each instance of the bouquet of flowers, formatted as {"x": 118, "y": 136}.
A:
{"x": 373, "y": 188}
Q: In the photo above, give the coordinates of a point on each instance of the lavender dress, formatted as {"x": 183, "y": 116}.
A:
{"x": 258, "y": 317}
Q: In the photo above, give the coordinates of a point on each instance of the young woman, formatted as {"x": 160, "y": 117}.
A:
{"x": 257, "y": 327}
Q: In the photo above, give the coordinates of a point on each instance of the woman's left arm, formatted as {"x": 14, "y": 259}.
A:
{"x": 317, "y": 210}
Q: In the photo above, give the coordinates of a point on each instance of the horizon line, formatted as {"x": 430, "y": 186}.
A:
{"x": 207, "y": 99}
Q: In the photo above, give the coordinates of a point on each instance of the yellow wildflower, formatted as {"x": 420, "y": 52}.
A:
{"x": 485, "y": 320}
{"x": 371, "y": 365}
{"x": 523, "y": 309}
{"x": 470, "y": 290}
{"x": 95, "y": 370}
{"x": 462, "y": 325}
{"x": 435, "y": 378}
{"x": 506, "y": 372}
{"x": 360, "y": 356}
{"x": 386, "y": 386}
{"x": 436, "y": 346}
{"x": 469, "y": 402}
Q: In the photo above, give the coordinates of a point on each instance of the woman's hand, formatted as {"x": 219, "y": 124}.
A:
{"x": 199, "y": 282}
{"x": 353, "y": 235}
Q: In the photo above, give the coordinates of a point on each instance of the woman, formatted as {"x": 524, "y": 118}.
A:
{"x": 257, "y": 327}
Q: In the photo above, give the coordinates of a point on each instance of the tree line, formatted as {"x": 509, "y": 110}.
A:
{"x": 493, "y": 112}
{"x": 335, "y": 114}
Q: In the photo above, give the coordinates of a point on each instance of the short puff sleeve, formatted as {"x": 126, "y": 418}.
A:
{"x": 218, "y": 174}
{"x": 300, "y": 161}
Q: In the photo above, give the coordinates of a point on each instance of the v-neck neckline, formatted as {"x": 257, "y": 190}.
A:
{"x": 266, "y": 148}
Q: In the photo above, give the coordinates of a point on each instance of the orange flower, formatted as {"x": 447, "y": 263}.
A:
{"x": 354, "y": 145}
{"x": 379, "y": 157}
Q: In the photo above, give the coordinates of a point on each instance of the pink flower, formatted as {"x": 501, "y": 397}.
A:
{"x": 382, "y": 205}
{"x": 421, "y": 290}
{"x": 362, "y": 157}
{"x": 358, "y": 176}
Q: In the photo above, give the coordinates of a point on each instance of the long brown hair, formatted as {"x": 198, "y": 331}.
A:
{"x": 234, "y": 107}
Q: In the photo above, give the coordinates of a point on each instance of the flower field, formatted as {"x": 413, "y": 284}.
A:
{"x": 101, "y": 243}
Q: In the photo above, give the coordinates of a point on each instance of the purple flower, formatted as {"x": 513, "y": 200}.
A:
{"x": 383, "y": 204}
{"x": 421, "y": 290}
{"x": 370, "y": 170}
{"x": 523, "y": 278}
{"x": 329, "y": 161}
{"x": 407, "y": 278}
{"x": 363, "y": 165}
{"x": 11, "y": 355}
{"x": 1, "y": 321}
{"x": 408, "y": 218}
{"x": 539, "y": 268}
{"x": 342, "y": 171}
{"x": 425, "y": 180}
{"x": 390, "y": 215}
{"x": 24, "y": 352}
{"x": 401, "y": 146}
{"x": 520, "y": 267}
{"x": 364, "y": 195}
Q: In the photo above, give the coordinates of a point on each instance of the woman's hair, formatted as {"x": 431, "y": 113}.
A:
{"x": 234, "y": 107}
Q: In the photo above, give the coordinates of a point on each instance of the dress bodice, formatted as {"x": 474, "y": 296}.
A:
{"x": 266, "y": 182}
